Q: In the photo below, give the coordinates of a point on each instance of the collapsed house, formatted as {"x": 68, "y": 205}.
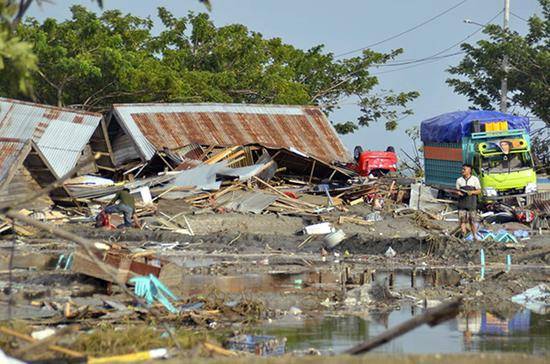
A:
{"x": 39, "y": 144}
{"x": 228, "y": 157}
{"x": 178, "y": 136}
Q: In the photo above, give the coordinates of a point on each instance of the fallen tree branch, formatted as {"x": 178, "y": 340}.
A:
{"x": 432, "y": 317}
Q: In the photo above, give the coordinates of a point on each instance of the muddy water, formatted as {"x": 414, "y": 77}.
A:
{"x": 479, "y": 331}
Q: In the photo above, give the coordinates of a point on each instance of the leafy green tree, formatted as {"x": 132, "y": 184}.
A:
{"x": 91, "y": 61}
{"x": 16, "y": 57}
{"x": 480, "y": 72}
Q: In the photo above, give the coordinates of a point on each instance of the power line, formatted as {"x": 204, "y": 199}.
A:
{"x": 415, "y": 65}
{"x": 403, "y": 32}
{"x": 436, "y": 56}
{"x": 519, "y": 17}
{"x": 418, "y": 62}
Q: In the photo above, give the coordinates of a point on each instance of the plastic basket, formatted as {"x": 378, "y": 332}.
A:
{"x": 262, "y": 345}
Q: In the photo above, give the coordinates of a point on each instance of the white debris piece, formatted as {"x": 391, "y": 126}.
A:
{"x": 42, "y": 334}
{"x": 390, "y": 253}
{"x": 319, "y": 229}
{"x": 536, "y": 299}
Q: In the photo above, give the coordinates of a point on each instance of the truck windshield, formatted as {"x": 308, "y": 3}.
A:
{"x": 506, "y": 163}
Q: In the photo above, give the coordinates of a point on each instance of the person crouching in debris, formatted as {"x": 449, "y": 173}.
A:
{"x": 126, "y": 206}
{"x": 468, "y": 187}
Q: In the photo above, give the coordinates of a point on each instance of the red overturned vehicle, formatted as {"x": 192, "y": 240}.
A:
{"x": 375, "y": 163}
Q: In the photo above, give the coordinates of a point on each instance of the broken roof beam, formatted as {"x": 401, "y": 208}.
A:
{"x": 302, "y": 165}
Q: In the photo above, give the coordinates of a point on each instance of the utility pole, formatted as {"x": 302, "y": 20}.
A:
{"x": 504, "y": 80}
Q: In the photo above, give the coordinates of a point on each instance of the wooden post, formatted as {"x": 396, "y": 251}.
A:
{"x": 312, "y": 169}
{"x": 347, "y": 274}
{"x": 366, "y": 277}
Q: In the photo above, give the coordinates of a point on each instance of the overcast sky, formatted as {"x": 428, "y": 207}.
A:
{"x": 343, "y": 26}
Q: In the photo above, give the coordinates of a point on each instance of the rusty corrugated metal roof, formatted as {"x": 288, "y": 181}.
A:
{"x": 303, "y": 128}
{"x": 59, "y": 133}
{"x": 9, "y": 151}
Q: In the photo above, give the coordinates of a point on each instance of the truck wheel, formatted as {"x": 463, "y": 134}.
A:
{"x": 357, "y": 152}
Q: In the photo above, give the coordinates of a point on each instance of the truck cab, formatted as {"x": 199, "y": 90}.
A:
{"x": 503, "y": 163}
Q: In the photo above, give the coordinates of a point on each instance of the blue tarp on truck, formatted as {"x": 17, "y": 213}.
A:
{"x": 451, "y": 127}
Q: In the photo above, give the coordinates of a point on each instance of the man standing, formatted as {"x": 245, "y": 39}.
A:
{"x": 468, "y": 188}
{"x": 126, "y": 205}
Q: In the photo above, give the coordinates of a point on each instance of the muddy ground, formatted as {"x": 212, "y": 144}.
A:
{"x": 262, "y": 262}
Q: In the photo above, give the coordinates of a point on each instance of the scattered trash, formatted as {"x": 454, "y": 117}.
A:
{"x": 261, "y": 345}
{"x": 521, "y": 234}
{"x": 211, "y": 207}
{"x": 42, "y": 334}
{"x": 152, "y": 289}
{"x": 374, "y": 216}
{"x": 334, "y": 238}
{"x": 359, "y": 296}
{"x": 536, "y": 299}
{"x": 319, "y": 229}
{"x": 64, "y": 262}
{"x": 294, "y": 311}
{"x": 501, "y": 236}
{"x": 131, "y": 358}
{"x": 390, "y": 253}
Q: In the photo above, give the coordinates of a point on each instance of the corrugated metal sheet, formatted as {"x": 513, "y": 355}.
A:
{"x": 123, "y": 149}
{"x": 304, "y": 128}
{"x": 60, "y": 134}
{"x": 9, "y": 151}
{"x": 21, "y": 185}
{"x": 246, "y": 201}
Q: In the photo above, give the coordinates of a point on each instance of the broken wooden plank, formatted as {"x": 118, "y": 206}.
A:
{"x": 432, "y": 317}
{"x": 221, "y": 155}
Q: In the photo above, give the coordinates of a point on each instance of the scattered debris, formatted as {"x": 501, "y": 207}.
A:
{"x": 225, "y": 214}
{"x": 390, "y": 253}
{"x": 536, "y": 299}
{"x": 258, "y": 345}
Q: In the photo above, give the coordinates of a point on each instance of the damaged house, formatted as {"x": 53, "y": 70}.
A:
{"x": 40, "y": 143}
{"x": 155, "y": 137}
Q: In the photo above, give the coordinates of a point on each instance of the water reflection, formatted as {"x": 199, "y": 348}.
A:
{"x": 523, "y": 331}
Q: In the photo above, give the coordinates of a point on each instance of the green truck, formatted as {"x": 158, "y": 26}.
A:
{"x": 497, "y": 145}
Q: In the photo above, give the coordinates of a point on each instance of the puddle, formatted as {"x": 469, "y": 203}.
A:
{"x": 479, "y": 331}
{"x": 398, "y": 279}
{"x": 249, "y": 283}
{"x": 270, "y": 282}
